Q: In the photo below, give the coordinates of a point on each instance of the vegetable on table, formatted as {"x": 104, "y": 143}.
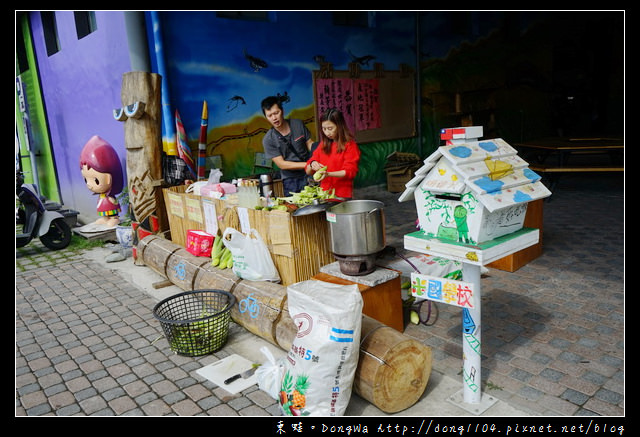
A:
{"x": 307, "y": 195}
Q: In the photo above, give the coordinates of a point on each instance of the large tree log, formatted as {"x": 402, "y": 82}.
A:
{"x": 393, "y": 369}
{"x": 142, "y": 118}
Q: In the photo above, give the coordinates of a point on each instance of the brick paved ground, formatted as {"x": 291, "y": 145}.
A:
{"x": 553, "y": 331}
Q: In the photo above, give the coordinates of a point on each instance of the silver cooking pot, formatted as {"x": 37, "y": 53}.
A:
{"x": 357, "y": 227}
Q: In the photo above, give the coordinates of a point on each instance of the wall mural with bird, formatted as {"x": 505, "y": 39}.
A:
{"x": 232, "y": 64}
{"x": 485, "y": 68}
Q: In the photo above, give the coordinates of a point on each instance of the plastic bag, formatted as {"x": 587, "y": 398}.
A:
{"x": 269, "y": 374}
{"x": 212, "y": 187}
{"x": 214, "y": 176}
{"x": 251, "y": 257}
{"x": 196, "y": 187}
{"x": 321, "y": 363}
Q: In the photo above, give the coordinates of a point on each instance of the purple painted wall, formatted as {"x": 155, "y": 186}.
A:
{"x": 81, "y": 86}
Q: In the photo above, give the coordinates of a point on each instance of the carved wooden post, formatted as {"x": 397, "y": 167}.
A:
{"x": 142, "y": 116}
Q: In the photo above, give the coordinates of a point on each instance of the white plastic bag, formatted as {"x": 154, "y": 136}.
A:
{"x": 269, "y": 374}
{"x": 214, "y": 176}
{"x": 196, "y": 187}
{"x": 321, "y": 363}
{"x": 251, "y": 257}
{"x": 211, "y": 188}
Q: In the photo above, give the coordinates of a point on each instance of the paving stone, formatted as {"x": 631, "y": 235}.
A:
{"x": 553, "y": 342}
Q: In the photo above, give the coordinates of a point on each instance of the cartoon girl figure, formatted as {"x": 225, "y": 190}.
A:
{"x": 460, "y": 216}
{"x": 102, "y": 172}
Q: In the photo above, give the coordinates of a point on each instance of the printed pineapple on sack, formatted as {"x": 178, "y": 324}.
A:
{"x": 293, "y": 396}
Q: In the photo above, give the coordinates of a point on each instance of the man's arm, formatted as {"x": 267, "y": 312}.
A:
{"x": 288, "y": 165}
{"x": 309, "y": 143}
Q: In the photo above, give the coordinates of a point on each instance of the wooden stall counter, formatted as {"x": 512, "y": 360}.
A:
{"x": 380, "y": 291}
{"x": 299, "y": 246}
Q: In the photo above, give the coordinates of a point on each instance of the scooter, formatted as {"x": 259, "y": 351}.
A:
{"x": 49, "y": 226}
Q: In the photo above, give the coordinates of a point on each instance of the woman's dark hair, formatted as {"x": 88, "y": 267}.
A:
{"x": 343, "y": 135}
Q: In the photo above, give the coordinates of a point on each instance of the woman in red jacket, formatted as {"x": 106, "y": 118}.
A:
{"x": 338, "y": 152}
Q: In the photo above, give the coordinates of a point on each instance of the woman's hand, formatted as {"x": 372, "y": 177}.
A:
{"x": 319, "y": 176}
{"x": 315, "y": 166}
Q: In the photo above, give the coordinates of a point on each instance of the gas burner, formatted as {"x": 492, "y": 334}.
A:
{"x": 356, "y": 265}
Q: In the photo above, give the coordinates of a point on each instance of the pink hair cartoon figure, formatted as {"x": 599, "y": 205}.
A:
{"x": 102, "y": 172}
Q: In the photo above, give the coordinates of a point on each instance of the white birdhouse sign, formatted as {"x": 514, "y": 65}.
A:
{"x": 471, "y": 191}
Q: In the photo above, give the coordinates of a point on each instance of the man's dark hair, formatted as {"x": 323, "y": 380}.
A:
{"x": 268, "y": 102}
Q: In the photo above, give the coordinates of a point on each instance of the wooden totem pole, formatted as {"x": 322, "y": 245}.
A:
{"x": 142, "y": 117}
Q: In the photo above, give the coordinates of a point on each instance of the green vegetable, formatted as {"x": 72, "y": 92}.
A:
{"x": 216, "y": 250}
{"x": 415, "y": 318}
{"x": 230, "y": 262}
{"x": 307, "y": 196}
{"x": 199, "y": 337}
{"x": 226, "y": 259}
{"x": 320, "y": 173}
{"x": 224, "y": 256}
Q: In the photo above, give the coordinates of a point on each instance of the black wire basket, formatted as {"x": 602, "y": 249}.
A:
{"x": 196, "y": 322}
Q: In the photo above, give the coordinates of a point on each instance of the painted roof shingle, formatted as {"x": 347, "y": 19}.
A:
{"x": 490, "y": 168}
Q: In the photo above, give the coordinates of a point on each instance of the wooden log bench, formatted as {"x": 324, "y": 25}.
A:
{"x": 393, "y": 369}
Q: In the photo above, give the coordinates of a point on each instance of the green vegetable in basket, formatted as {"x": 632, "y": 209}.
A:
{"x": 198, "y": 337}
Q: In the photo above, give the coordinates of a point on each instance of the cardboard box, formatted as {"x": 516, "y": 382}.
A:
{"x": 400, "y": 168}
{"x": 397, "y": 178}
{"x": 199, "y": 243}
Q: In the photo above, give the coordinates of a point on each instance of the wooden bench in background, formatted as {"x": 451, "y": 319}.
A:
{"x": 573, "y": 155}
{"x": 546, "y": 168}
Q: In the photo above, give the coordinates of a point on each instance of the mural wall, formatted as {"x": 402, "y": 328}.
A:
{"x": 233, "y": 64}
{"x": 519, "y": 74}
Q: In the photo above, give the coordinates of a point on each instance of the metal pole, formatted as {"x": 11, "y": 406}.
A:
{"x": 471, "y": 339}
{"x": 137, "y": 39}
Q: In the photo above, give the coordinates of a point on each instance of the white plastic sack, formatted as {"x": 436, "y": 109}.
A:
{"x": 269, "y": 374}
{"x": 251, "y": 257}
{"x": 321, "y": 363}
{"x": 195, "y": 187}
{"x": 214, "y": 176}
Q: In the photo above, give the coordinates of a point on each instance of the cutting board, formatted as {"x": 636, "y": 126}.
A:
{"x": 227, "y": 367}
